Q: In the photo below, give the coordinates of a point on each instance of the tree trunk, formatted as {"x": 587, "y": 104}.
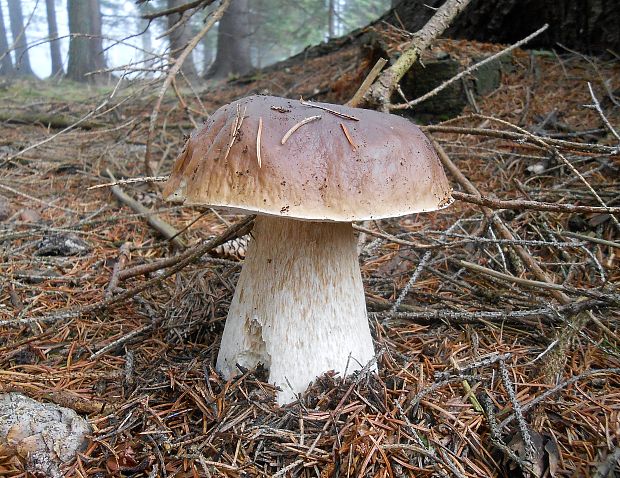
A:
{"x": 22, "y": 59}
{"x": 331, "y": 19}
{"x": 179, "y": 38}
{"x": 6, "y": 64}
{"x": 52, "y": 29}
{"x": 85, "y": 46}
{"x": 96, "y": 44}
{"x": 207, "y": 53}
{"x": 233, "y": 42}
{"x": 586, "y": 25}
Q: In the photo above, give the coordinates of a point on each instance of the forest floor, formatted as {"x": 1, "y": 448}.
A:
{"x": 479, "y": 374}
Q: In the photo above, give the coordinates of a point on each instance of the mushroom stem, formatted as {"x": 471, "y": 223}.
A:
{"x": 299, "y": 305}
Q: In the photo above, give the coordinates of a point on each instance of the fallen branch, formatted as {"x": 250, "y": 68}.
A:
{"x": 525, "y": 256}
{"x": 535, "y": 205}
{"x": 153, "y": 220}
{"x": 123, "y": 257}
{"x": 467, "y": 71}
{"x": 241, "y": 228}
{"x": 358, "y": 97}
{"x": 381, "y": 91}
{"x": 521, "y": 138}
{"x": 51, "y": 120}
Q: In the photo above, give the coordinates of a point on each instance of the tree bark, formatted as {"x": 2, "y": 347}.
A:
{"x": 233, "y": 42}
{"x": 85, "y": 46}
{"x": 6, "y": 64}
{"x": 22, "y": 59}
{"x": 52, "y": 29}
{"x": 331, "y": 19}
{"x": 96, "y": 44}
{"x": 585, "y": 25}
{"x": 179, "y": 38}
{"x": 207, "y": 53}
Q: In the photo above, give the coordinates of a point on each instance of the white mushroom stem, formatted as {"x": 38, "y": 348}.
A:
{"x": 299, "y": 305}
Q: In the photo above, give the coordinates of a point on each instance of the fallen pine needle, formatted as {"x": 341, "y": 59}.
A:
{"x": 260, "y": 130}
{"x": 346, "y": 133}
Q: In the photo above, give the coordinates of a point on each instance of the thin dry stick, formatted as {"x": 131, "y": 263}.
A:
{"x": 518, "y": 137}
{"x": 597, "y": 106}
{"x": 258, "y": 140}
{"x": 214, "y": 17}
{"x": 123, "y": 257}
{"x": 556, "y": 389}
{"x": 329, "y": 110}
{"x": 32, "y": 198}
{"x": 120, "y": 341}
{"x": 152, "y": 179}
{"x": 295, "y": 127}
{"x": 530, "y": 453}
{"x": 153, "y": 220}
{"x": 467, "y": 71}
{"x": 596, "y": 240}
{"x": 394, "y": 239}
{"x": 358, "y": 97}
{"x": 535, "y": 205}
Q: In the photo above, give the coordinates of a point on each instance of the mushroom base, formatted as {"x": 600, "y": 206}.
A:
{"x": 299, "y": 305}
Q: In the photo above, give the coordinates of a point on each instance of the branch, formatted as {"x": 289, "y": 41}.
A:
{"x": 521, "y": 138}
{"x": 358, "y": 97}
{"x": 465, "y": 72}
{"x": 523, "y": 254}
{"x": 152, "y": 219}
{"x": 381, "y": 91}
{"x": 535, "y": 205}
{"x": 178, "y": 9}
{"x": 238, "y": 229}
{"x": 215, "y": 17}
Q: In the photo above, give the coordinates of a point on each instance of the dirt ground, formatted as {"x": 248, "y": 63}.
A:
{"x": 479, "y": 375}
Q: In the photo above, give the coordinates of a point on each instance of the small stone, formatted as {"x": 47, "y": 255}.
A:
{"x": 29, "y": 215}
{"x": 62, "y": 245}
{"x": 43, "y": 434}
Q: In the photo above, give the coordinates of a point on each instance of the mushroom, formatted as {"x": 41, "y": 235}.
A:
{"x": 308, "y": 170}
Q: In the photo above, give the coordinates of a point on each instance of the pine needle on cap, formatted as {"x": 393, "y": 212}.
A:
{"x": 258, "y": 138}
{"x": 346, "y": 133}
{"x": 297, "y": 126}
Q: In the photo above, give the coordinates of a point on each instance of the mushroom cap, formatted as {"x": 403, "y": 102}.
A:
{"x": 329, "y": 169}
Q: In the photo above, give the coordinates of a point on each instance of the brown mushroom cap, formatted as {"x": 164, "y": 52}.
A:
{"x": 331, "y": 169}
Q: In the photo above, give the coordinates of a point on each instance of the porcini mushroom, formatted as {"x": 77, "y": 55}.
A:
{"x": 299, "y": 304}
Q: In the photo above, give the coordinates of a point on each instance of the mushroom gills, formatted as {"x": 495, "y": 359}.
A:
{"x": 299, "y": 305}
